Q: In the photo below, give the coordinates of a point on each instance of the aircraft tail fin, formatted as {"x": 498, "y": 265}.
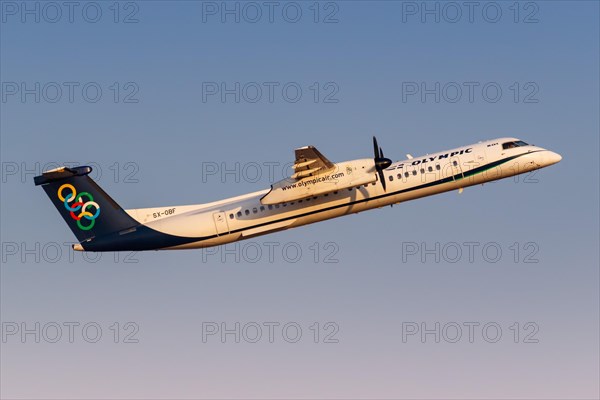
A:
{"x": 86, "y": 208}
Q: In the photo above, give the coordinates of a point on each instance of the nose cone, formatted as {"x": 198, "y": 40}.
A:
{"x": 551, "y": 157}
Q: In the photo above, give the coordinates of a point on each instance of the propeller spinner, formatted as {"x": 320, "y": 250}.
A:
{"x": 381, "y": 162}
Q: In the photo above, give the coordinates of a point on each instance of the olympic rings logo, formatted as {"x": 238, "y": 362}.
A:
{"x": 79, "y": 205}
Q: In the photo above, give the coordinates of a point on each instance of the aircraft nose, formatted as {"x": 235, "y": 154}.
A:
{"x": 551, "y": 157}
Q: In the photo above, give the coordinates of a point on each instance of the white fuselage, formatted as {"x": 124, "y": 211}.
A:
{"x": 245, "y": 216}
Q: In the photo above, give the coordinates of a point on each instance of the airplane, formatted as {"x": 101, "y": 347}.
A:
{"x": 317, "y": 190}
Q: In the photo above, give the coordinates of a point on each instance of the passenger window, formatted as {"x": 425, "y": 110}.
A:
{"x": 254, "y": 210}
{"x": 239, "y": 214}
{"x": 455, "y": 163}
{"x": 430, "y": 169}
{"x": 230, "y": 216}
{"x": 247, "y": 212}
{"x": 406, "y": 174}
{"x": 422, "y": 170}
{"x": 437, "y": 167}
{"x": 270, "y": 206}
{"x": 399, "y": 176}
{"x": 391, "y": 178}
{"x": 276, "y": 205}
{"x": 262, "y": 208}
{"x": 414, "y": 172}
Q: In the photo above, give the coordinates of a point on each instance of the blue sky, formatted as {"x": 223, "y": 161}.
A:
{"x": 155, "y": 130}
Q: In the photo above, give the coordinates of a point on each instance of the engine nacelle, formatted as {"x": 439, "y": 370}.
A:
{"x": 344, "y": 175}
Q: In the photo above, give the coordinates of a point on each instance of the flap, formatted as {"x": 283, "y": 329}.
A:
{"x": 309, "y": 161}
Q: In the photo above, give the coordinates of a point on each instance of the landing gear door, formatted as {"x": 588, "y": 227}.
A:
{"x": 221, "y": 223}
{"x": 456, "y": 168}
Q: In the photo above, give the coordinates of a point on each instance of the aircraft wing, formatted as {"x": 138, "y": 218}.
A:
{"x": 309, "y": 161}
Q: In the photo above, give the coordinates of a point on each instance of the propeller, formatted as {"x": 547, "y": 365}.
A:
{"x": 381, "y": 162}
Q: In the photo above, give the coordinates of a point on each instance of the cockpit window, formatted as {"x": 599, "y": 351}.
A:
{"x": 510, "y": 145}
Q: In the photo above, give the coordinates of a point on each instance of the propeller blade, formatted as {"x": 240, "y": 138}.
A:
{"x": 381, "y": 162}
{"x": 382, "y": 179}
{"x": 375, "y": 147}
